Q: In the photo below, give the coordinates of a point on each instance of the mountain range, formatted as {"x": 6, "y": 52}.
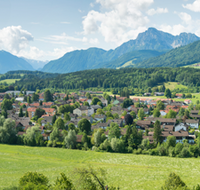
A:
{"x": 9, "y": 62}
{"x": 152, "y": 48}
{"x": 155, "y": 43}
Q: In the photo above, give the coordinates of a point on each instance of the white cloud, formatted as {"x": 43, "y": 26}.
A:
{"x": 175, "y": 29}
{"x": 31, "y": 52}
{"x": 195, "y": 6}
{"x": 119, "y": 21}
{"x": 185, "y": 17}
{"x": 157, "y": 11}
{"x": 14, "y": 39}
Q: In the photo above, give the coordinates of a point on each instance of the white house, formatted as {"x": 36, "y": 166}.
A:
{"x": 181, "y": 126}
{"x": 193, "y": 123}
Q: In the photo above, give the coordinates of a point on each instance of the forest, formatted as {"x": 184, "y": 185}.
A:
{"x": 133, "y": 78}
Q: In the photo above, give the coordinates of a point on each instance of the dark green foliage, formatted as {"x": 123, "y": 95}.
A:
{"x": 33, "y": 178}
{"x": 63, "y": 183}
{"x": 128, "y": 119}
{"x": 111, "y": 78}
{"x": 48, "y": 96}
{"x": 177, "y": 57}
{"x": 168, "y": 93}
{"x": 173, "y": 182}
{"x": 6, "y": 105}
{"x": 21, "y": 112}
{"x": 53, "y": 119}
{"x": 84, "y": 125}
{"x": 157, "y": 132}
{"x": 35, "y": 97}
{"x": 39, "y": 112}
{"x": 59, "y": 123}
{"x": 156, "y": 113}
{"x": 127, "y": 102}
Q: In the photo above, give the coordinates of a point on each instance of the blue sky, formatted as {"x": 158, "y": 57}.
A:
{"x": 46, "y": 30}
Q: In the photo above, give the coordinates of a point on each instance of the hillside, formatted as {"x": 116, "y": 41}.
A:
{"x": 10, "y": 62}
{"x": 114, "y": 78}
{"x": 92, "y": 58}
{"x": 138, "y": 171}
{"x": 131, "y": 59}
{"x": 178, "y": 57}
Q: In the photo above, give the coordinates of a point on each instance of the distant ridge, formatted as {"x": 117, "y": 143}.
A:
{"x": 92, "y": 58}
{"x": 9, "y": 62}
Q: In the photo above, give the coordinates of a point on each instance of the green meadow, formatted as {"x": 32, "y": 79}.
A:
{"x": 9, "y": 81}
{"x": 128, "y": 171}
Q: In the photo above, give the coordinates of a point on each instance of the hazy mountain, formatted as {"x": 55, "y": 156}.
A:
{"x": 9, "y": 62}
{"x": 182, "y": 56}
{"x": 36, "y": 64}
{"x": 152, "y": 39}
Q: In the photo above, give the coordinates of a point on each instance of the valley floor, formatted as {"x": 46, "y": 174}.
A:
{"x": 128, "y": 171}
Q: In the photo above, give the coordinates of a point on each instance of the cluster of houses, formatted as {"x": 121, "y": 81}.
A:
{"x": 170, "y": 127}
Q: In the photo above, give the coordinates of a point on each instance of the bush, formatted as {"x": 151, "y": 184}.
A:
{"x": 153, "y": 152}
{"x": 184, "y": 153}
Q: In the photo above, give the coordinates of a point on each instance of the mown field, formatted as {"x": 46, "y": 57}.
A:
{"x": 128, "y": 171}
{"x": 9, "y": 81}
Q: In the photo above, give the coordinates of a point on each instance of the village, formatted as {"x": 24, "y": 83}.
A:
{"x": 101, "y": 110}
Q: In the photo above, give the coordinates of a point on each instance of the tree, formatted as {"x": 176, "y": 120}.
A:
{"x": 7, "y": 130}
{"x": 67, "y": 117}
{"x": 181, "y": 112}
{"x": 33, "y": 136}
{"x": 95, "y": 100}
{"x": 26, "y": 114}
{"x": 160, "y": 105}
{"x": 86, "y": 103}
{"x": 173, "y": 182}
{"x": 6, "y": 105}
{"x": 71, "y": 126}
{"x": 128, "y": 119}
{"x": 114, "y": 131}
{"x": 70, "y": 139}
{"x": 6, "y": 96}
{"x": 132, "y": 113}
{"x": 63, "y": 183}
{"x": 97, "y": 138}
{"x": 157, "y": 132}
{"x": 127, "y": 102}
{"x": 117, "y": 145}
{"x": 48, "y": 96}
{"x": 39, "y": 112}
{"x": 88, "y": 95}
{"x": 84, "y": 125}
{"x": 21, "y": 112}
{"x": 34, "y": 179}
{"x": 168, "y": 93}
{"x": 156, "y": 113}
{"x": 171, "y": 114}
{"x": 91, "y": 179}
{"x": 100, "y": 111}
{"x": 116, "y": 116}
{"x": 53, "y": 119}
{"x": 35, "y": 97}
{"x": 59, "y": 123}
{"x": 141, "y": 114}
{"x": 55, "y": 136}
{"x": 171, "y": 141}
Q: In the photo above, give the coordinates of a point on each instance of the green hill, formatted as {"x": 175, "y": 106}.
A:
{"x": 182, "y": 56}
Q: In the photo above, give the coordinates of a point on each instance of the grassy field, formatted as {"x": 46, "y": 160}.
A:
{"x": 174, "y": 85}
{"x": 125, "y": 170}
{"x": 195, "y": 66}
{"x": 9, "y": 81}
